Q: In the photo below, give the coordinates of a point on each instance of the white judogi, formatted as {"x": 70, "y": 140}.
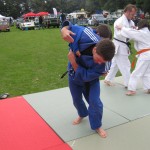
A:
{"x": 142, "y": 70}
{"x": 120, "y": 60}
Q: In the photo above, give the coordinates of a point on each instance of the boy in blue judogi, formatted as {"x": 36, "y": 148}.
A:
{"x": 88, "y": 58}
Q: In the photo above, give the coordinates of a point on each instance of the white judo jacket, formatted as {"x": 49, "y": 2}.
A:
{"x": 141, "y": 40}
{"x": 122, "y": 48}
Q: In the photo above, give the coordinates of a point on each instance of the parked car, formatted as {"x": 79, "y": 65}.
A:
{"x": 4, "y": 25}
{"x": 82, "y": 22}
{"x": 18, "y": 21}
{"x": 51, "y": 20}
{"x": 96, "y": 19}
{"x": 27, "y": 24}
{"x": 110, "y": 19}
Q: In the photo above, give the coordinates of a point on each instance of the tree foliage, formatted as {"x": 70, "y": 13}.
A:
{"x": 16, "y": 8}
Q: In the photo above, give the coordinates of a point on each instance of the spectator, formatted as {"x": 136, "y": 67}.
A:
{"x": 62, "y": 17}
{"x": 41, "y": 22}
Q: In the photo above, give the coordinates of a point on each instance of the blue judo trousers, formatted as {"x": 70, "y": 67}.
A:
{"x": 85, "y": 81}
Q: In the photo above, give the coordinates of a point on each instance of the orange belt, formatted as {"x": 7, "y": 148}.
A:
{"x": 138, "y": 53}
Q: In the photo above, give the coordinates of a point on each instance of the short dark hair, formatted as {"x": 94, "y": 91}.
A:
{"x": 106, "y": 49}
{"x": 104, "y": 31}
{"x": 143, "y": 23}
{"x": 129, "y": 7}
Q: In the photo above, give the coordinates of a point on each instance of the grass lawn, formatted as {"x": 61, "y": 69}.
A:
{"x": 32, "y": 61}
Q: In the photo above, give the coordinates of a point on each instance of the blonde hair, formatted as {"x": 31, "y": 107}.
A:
{"x": 129, "y": 7}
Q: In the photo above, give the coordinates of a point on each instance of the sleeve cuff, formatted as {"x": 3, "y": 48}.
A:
{"x": 66, "y": 23}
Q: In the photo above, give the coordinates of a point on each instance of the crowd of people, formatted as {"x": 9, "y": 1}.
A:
{"x": 91, "y": 55}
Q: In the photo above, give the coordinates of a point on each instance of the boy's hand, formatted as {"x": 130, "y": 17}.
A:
{"x": 118, "y": 27}
{"x": 66, "y": 34}
{"x": 72, "y": 60}
{"x": 104, "y": 74}
{"x": 78, "y": 53}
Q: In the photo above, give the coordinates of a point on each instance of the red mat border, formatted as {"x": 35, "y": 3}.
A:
{"x": 17, "y": 118}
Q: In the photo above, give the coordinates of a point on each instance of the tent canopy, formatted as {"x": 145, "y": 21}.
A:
{"x": 2, "y": 16}
{"x": 42, "y": 13}
{"x": 30, "y": 14}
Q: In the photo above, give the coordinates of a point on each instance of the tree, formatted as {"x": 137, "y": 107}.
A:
{"x": 10, "y": 8}
{"x": 93, "y": 5}
{"x": 16, "y": 8}
{"x": 146, "y": 6}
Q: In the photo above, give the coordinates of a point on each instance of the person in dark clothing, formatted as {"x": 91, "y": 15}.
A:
{"x": 41, "y": 22}
{"x": 62, "y": 17}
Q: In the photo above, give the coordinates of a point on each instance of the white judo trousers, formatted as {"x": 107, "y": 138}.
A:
{"x": 142, "y": 70}
{"x": 120, "y": 61}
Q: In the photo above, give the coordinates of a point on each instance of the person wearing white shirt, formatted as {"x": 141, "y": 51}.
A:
{"x": 121, "y": 61}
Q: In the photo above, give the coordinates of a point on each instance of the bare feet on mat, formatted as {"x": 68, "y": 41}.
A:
{"x": 77, "y": 120}
{"x": 101, "y": 132}
{"x": 130, "y": 93}
{"x": 108, "y": 83}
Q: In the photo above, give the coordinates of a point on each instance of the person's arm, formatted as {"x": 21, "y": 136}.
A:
{"x": 71, "y": 37}
{"x": 89, "y": 74}
{"x": 66, "y": 33}
{"x": 72, "y": 60}
{"x": 130, "y": 33}
{"x": 85, "y": 74}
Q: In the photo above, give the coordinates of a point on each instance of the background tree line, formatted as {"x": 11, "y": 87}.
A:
{"x": 16, "y": 8}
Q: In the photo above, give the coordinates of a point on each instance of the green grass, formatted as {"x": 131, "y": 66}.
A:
{"x": 32, "y": 61}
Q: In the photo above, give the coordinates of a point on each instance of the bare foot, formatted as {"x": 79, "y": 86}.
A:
{"x": 77, "y": 120}
{"x": 101, "y": 132}
{"x": 148, "y": 91}
{"x": 108, "y": 83}
{"x": 130, "y": 93}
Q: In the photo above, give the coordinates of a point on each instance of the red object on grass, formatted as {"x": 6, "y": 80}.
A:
{"x": 21, "y": 128}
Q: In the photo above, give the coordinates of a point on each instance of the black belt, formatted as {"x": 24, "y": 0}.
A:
{"x": 120, "y": 41}
{"x": 87, "y": 51}
{"x": 127, "y": 43}
{"x": 70, "y": 71}
{"x": 64, "y": 74}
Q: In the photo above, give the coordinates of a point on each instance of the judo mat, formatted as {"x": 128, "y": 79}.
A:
{"x": 130, "y": 107}
{"x": 133, "y": 135}
{"x": 21, "y": 128}
{"x": 56, "y": 108}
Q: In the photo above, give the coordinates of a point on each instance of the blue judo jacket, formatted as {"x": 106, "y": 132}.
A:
{"x": 87, "y": 70}
{"x": 84, "y": 37}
